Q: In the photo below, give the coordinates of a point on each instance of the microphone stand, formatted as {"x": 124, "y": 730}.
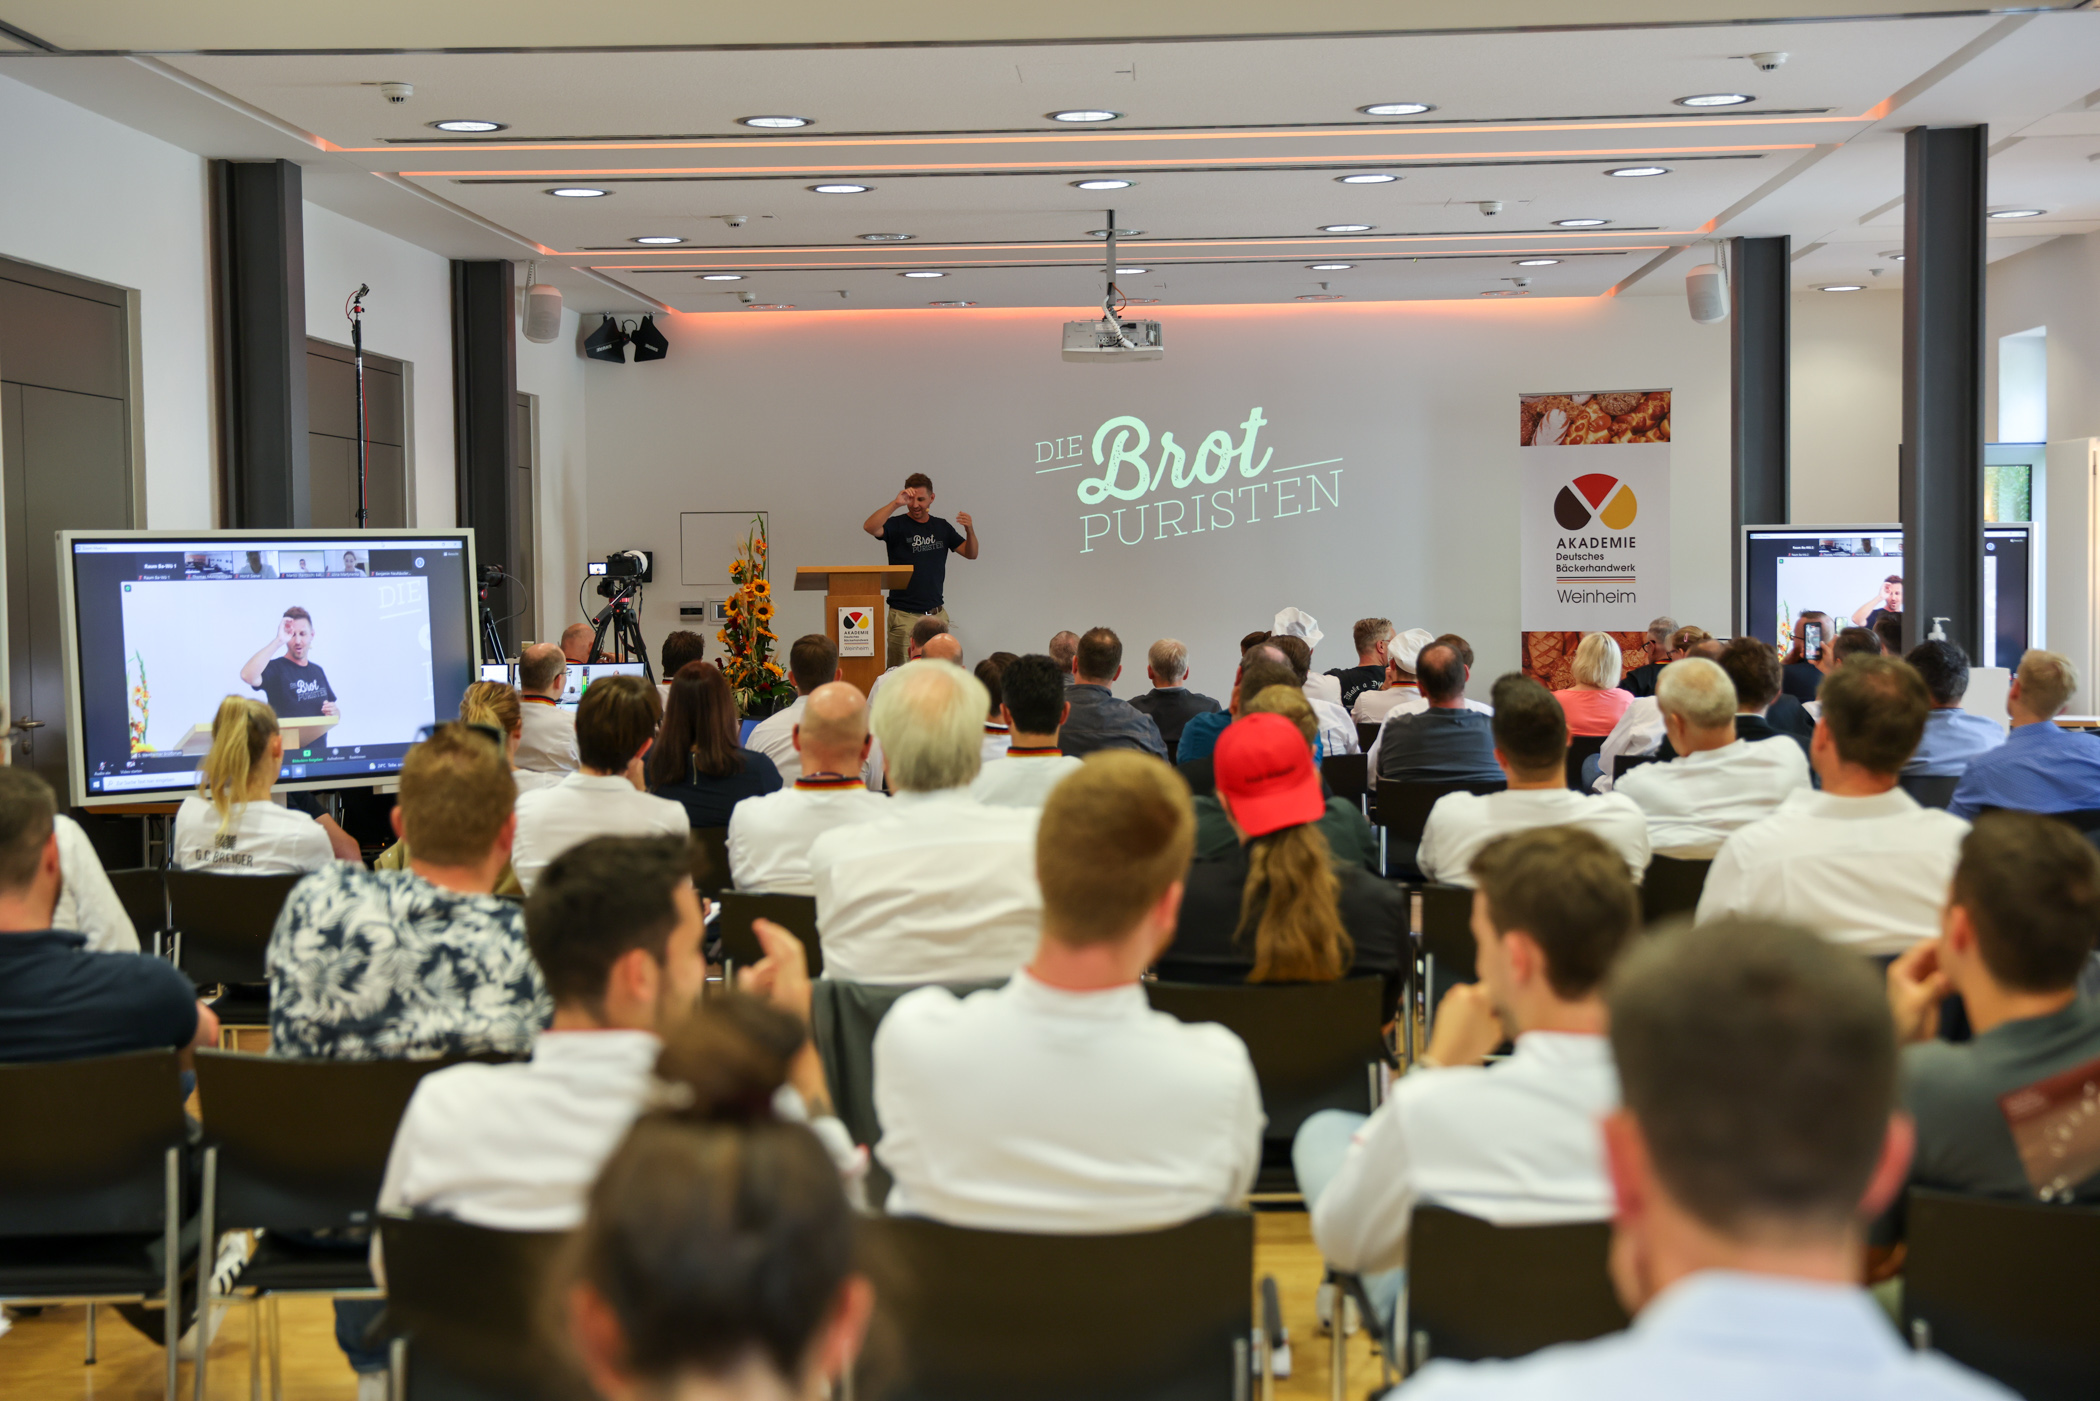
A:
{"x": 356, "y": 313}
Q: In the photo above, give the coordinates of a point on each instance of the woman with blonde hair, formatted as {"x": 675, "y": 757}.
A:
{"x": 230, "y": 825}
{"x": 496, "y": 705}
{"x": 1595, "y": 702}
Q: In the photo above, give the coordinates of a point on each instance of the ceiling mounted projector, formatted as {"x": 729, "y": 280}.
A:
{"x": 1112, "y": 339}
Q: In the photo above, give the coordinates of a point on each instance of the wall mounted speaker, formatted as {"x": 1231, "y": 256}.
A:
{"x": 542, "y": 312}
{"x": 608, "y": 342}
{"x": 1706, "y": 293}
{"x": 649, "y": 343}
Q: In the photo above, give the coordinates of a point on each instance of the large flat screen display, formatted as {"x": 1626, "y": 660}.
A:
{"x": 355, "y": 640}
{"x": 1851, "y": 572}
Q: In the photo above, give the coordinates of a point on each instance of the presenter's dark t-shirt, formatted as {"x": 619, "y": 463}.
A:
{"x": 295, "y": 692}
{"x": 925, "y": 547}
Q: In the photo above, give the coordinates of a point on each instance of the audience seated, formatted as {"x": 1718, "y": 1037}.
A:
{"x": 230, "y": 825}
{"x": 812, "y": 661}
{"x": 547, "y": 743}
{"x": 1639, "y": 730}
{"x": 1851, "y": 643}
{"x": 1371, "y": 636}
{"x": 998, "y": 735}
{"x": 929, "y": 640}
{"x": 1349, "y": 835}
{"x": 1398, "y": 687}
{"x": 1953, "y": 736}
{"x": 1758, "y": 1132}
{"x": 678, "y": 649}
{"x": 2041, "y": 766}
{"x": 1063, "y": 647}
{"x": 1061, "y": 1102}
{"x": 87, "y": 903}
{"x": 1261, "y": 668}
{"x": 1447, "y": 740}
{"x": 576, "y": 640}
{"x": 2017, "y": 932}
{"x": 1804, "y": 674}
{"x": 615, "y": 727}
{"x": 1097, "y": 719}
{"x": 1889, "y": 628}
{"x": 1516, "y": 1142}
{"x": 1033, "y": 705}
{"x": 1170, "y": 702}
{"x": 1718, "y": 782}
{"x": 1859, "y": 862}
{"x": 1753, "y": 666}
{"x": 940, "y": 887}
{"x": 1641, "y": 680}
{"x": 770, "y": 836}
{"x": 1337, "y": 730}
{"x": 492, "y": 706}
{"x": 1408, "y": 698}
{"x": 1595, "y": 702}
{"x": 696, "y": 761}
{"x": 1530, "y": 730}
{"x": 1281, "y": 904}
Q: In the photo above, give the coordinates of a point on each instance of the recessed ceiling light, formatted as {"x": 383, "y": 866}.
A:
{"x": 1347, "y": 228}
{"x": 1842, "y": 287}
{"x": 2016, "y": 213}
{"x": 575, "y": 192}
{"x": 887, "y": 238}
{"x": 840, "y": 189}
{"x": 1119, "y": 233}
{"x": 1366, "y": 178}
{"x": 1132, "y": 272}
{"x": 1579, "y": 223}
{"x": 721, "y": 277}
{"x": 655, "y": 239}
{"x": 1330, "y": 267}
{"x": 1894, "y": 255}
{"x": 1716, "y": 99}
{"x": 1102, "y": 184}
{"x": 1321, "y": 297}
{"x": 951, "y": 304}
{"x": 922, "y": 272}
{"x": 769, "y": 306}
{"x": 1537, "y": 262}
{"x": 1084, "y": 114}
{"x": 469, "y": 124}
{"x": 773, "y": 123}
{"x": 1396, "y": 109}
{"x": 1637, "y": 172}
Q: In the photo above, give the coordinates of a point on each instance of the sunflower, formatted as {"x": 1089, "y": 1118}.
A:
{"x": 721, "y": 637}
{"x": 764, "y": 612}
{"x": 773, "y": 668}
{"x": 761, "y": 587}
{"x": 736, "y": 568}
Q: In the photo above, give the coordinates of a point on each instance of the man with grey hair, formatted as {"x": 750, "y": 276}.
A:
{"x": 1717, "y": 782}
{"x": 941, "y": 888}
{"x": 1170, "y": 702}
{"x": 547, "y": 739}
{"x": 1371, "y": 636}
{"x": 2041, "y": 767}
{"x": 1642, "y": 679}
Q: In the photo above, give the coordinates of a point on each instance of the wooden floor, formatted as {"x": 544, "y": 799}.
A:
{"x": 40, "y": 1358}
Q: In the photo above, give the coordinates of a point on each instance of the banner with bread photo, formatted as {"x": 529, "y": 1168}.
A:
{"x": 1589, "y": 420}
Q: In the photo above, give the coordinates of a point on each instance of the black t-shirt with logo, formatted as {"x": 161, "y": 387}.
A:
{"x": 925, "y": 547}
{"x": 293, "y": 691}
{"x": 1356, "y": 680}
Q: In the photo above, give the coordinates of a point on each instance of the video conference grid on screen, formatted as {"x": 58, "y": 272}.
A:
{"x": 354, "y": 644}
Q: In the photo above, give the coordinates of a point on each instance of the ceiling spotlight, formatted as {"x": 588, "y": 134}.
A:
{"x": 470, "y": 124}
{"x": 1347, "y": 228}
{"x": 721, "y": 277}
{"x": 1397, "y": 109}
{"x": 1330, "y": 267}
{"x": 887, "y": 238}
{"x": 1716, "y": 99}
{"x": 1894, "y": 255}
{"x": 1084, "y": 115}
{"x": 951, "y": 304}
{"x": 1320, "y": 297}
{"x": 575, "y": 192}
{"x": 2016, "y": 213}
{"x": 1842, "y": 287}
{"x": 1636, "y": 172}
{"x": 773, "y": 123}
{"x": 1119, "y": 233}
{"x": 1579, "y": 223}
{"x": 1537, "y": 262}
{"x": 1367, "y": 178}
{"x": 1102, "y": 184}
{"x": 1132, "y": 272}
{"x": 657, "y": 239}
{"x": 840, "y": 189}
{"x": 922, "y": 272}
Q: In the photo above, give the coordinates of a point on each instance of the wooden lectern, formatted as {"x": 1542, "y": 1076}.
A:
{"x": 856, "y": 586}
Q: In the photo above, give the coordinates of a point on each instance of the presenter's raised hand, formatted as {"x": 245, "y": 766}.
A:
{"x": 962, "y": 518}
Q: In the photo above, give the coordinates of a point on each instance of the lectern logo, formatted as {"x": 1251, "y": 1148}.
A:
{"x": 856, "y": 618}
{"x": 1595, "y": 496}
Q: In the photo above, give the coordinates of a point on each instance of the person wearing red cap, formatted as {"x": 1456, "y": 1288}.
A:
{"x": 1277, "y": 907}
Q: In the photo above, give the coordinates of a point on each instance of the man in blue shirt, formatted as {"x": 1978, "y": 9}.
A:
{"x": 2041, "y": 767}
{"x": 1098, "y": 720}
{"x": 922, "y": 540}
{"x": 1953, "y": 736}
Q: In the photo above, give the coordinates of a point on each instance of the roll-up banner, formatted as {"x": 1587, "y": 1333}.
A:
{"x": 1596, "y": 530}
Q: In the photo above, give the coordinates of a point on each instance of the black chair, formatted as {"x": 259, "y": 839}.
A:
{"x": 1581, "y": 747}
{"x": 1446, "y": 945}
{"x": 1623, "y": 764}
{"x": 91, "y": 1181}
{"x": 145, "y": 900}
{"x": 1314, "y": 1046}
{"x": 222, "y": 930}
{"x": 1476, "y": 1290}
{"x": 711, "y": 860}
{"x": 1345, "y": 776}
{"x": 467, "y": 1306}
{"x": 1366, "y": 735}
{"x": 1930, "y": 791}
{"x": 1401, "y": 810}
{"x": 2006, "y": 1287}
{"x": 1001, "y": 1316}
{"x": 740, "y": 948}
{"x": 294, "y": 1147}
{"x": 1672, "y": 887}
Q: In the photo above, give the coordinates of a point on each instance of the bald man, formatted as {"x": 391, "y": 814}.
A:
{"x": 576, "y": 641}
{"x": 770, "y": 836}
{"x": 548, "y": 741}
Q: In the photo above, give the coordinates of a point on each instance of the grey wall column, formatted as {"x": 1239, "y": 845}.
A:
{"x": 1941, "y": 486}
{"x": 259, "y": 253}
{"x": 484, "y": 399}
{"x": 1760, "y": 407}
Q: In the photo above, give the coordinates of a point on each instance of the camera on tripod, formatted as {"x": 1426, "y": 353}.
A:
{"x": 623, "y": 571}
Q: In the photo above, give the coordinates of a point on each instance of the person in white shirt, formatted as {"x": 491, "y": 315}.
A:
{"x": 1717, "y": 783}
{"x": 1515, "y": 1143}
{"x": 1337, "y": 730}
{"x": 1400, "y": 688}
{"x": 87, "y": 903}
{"x": 615, "y": 726}
{"x": 1742, "y": 1197}
{"x": 547, "y": 740}
{"x": 1405, "y": 693}
{"x": 813, "y": 661}
{"x": 929, "y": 640}
{"x": 1062, "y": 1102}
{"x": 770, "y": 836}
{"x": 230, "y": 825}
{"x": 499, "y": 707}
{"x": 1032, "y": 703}
{"x": 1531, "y": 747}
{"x": 941, "y": 888}
{"x": 1861, "y": 863}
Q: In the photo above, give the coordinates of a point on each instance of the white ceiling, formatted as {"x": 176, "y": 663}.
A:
{"x": 1234, "y": 146}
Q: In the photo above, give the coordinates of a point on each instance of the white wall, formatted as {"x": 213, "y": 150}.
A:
{"x": 817, "y": 419}
{"x": 2057, "y": 286}
{"x": 1847, "y": 406}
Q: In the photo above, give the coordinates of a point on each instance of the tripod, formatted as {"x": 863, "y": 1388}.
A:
{"x": 619, "y": 614}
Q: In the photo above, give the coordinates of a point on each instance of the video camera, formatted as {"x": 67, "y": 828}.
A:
{"x": 623, "y": 571}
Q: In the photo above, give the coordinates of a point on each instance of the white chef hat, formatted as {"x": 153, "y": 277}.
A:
{"x": 1296, "y": 622}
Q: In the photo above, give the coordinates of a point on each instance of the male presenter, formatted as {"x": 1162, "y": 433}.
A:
{"x": 920, "y": 539}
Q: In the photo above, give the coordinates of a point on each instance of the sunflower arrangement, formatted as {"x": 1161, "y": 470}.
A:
{"x": 760, "y": 682}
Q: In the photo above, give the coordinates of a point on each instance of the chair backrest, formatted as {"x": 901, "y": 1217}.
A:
{"x": 471, "y": 1301}
{"x": 1932, "y": 791}
{"x": 1310, "y": 1042}
{"x": 795, "y": 913}
{"x": 1447, "y": 931}
{"x": 224, "y": 922}
{"x": 2006, "y": 1287}
{"x": 85, "y": 1147}
{"x": 1002, "y": 1316}
{"x": 1345, "y": 774}
{"x": 302, "y": 1144}
{"x": 1672, "y": 887}
{"x": 1475, "y": 1290}
{"x": 1366, "y": 736}
{"x": 843, "y": 1019}
{"x": 144, "y": 897}
{"x": 711, "y": 859}
{"x": 1403, "y": 808}
{"x": 1622, "y": 764}
{"x": 1581, "y": 747}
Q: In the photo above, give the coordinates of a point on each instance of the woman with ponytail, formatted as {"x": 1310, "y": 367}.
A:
{"x": 230, "y": 825}
{"x": 496, "y": 705}
{"x": 1278, "y": 907}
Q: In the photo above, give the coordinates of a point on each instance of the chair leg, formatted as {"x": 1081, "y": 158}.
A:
{"x": 255, "y": 1347}
{"x": 276, "y": 1352}
{"x": 171, "y": 1281}
{"x": 207, "y": 1265}
{"x": 1338, "y": 1387}
{"x": 397, "y": 1369}
{"x": 89, "y": 1360}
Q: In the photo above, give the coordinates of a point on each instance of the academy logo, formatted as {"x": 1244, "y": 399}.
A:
{"x": 1595, "y": 496}
{"x": 856, "y": 618}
